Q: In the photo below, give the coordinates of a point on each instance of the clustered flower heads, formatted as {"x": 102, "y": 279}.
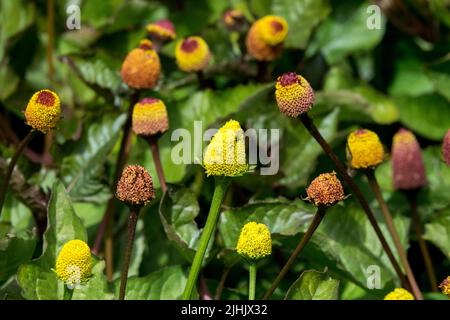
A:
{"x": 407, "y": 164}
{"x": 325, "y": 190}
{"x": 446, "y": 148}
{"x": 294, "y": 95}
{"x": 74, "y": 262}
{"x": 254, "y": 241}
{"x": 135, "y": 186}
{"x": 43, "y": 111}
{"x": 192, "y": 54}
{"x": 225, "y": 155}
{"x": 141, "y": 68}
{"x": 399, "y": 294}
{"x": 364, "y": 149}
{"x": 150, "y": 117}
{"x": 265, "y": 38}
{"x": 445, "y": 286}
{"x": 162, "y": 29}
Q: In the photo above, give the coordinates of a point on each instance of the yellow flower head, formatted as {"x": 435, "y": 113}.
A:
{"x": 43, "y": 111}
{"x": 445, "y": 286}
{"x": 135, "y": 186}
{"x": 294, "y": 95}
{"x": 265, "y": 38}
{"x": 399, "y": 294}
{"x": 162, "y": 29}
{"x": 192, "y": 54}
{"x": 364, "y": 149}
{"x": 74, "y": 262}
{"x": 150, "y": 117}
{"x": 254, "y": 241}
{"x": 141, "y": 68}
{"x": 225, "y": 155}
{"x": 325, "y": 190}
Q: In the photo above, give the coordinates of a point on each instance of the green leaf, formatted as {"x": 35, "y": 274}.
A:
{"x": 82, "y": 170}
{"x": 14, "y": 251}
{"x": 410, "y": 79}
{"x": 345, "y": 32}
{"x": 165, "y": 284}
{"x": 37, "y": 279}
{"x": 8, "y": 81}
{"x": 281, "y": 216}
{"x": 302, "y": 16}
{"x": 177, "y": 211}
{"x": 428, "y": 115}
{"x": 313, "y": 285}
{"x": 302, "y": 150}
{"x": 438, "y": 231}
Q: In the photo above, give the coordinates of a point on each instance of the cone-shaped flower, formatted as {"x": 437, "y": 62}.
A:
{"x": 446, "y": 148}
{"x": 294, "y": 95}
{"x": 74, "y": 262}
{"x": 192, "y": 54}
{"x": 265, "y": 38}
{"x": 141, "y": 68}
{"x": 364, "y": 149}
{"x": 399, "y": 294}
{"x": 135, "y": 186}
{"x": 162, "y": 29}
{"x": 225, "y": 155}
{"x": 233, "y": 19}
{"x": 254, "y": 242}
{"x": 325, "y": 190}
{"x": 43, "y": 111}
{"x": 408, "y": 169}
{"x": 150, "y": 117}
{"x": 445, "y": 286}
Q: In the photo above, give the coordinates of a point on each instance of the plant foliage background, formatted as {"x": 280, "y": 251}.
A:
{"x": 380, "y": 79}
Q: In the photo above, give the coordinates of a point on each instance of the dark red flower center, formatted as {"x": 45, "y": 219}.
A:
{"x": 189, "y": 45}
{"x": 276, "y": 26}
{"x": 148, "y": 100}
{"x": 46, "y": 98}
{"x": 288, "y": 78}
{"x": 145, "y": 45}
{"x": 361, "y": 131}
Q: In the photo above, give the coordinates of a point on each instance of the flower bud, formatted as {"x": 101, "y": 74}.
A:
{"x": 234, "y": 19}
{"x": 325, "y": 190}
{"x": 364, "y": 149}
{"x": 150, "y": 117}
{"x": 399, "y": 294}
{"x": 135, "y": 186}
{"x": 163, "y": 30}
{"x": 265, "y": 38}
{"x": 141, "y": 68}
{"x": 294, "y": 95}
{"x": 408, "y": 169}
{"x": 446, "y": 148}
{"x": 74, "y": 262}
{"x": 43, "y": 111}
{"x": 445, "y": 286}
{"x": 225, "y": 155}
{"x": 192, "y": 54}
{"x": 254, "y": 241}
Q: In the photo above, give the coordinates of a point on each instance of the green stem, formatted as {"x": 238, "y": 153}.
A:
{"x": 11, "y": 166}
{"x": 153, "y": 142}
{"x": 303, "y": 242}
{"x": 221, "y": 185}
{"x": 68, "y": 293}
{"x": 373, "y": 183}
{"x": 132, "y": 222}
{"x": 252, "y": 281}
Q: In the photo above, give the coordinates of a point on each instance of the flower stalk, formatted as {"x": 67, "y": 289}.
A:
{"x": 394, "y": 234}
{"x": 252, "y": 281}
{"x": 12, "y": 164}
{"x": 221, "y": 185}
{"x": 153, "y": 143}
